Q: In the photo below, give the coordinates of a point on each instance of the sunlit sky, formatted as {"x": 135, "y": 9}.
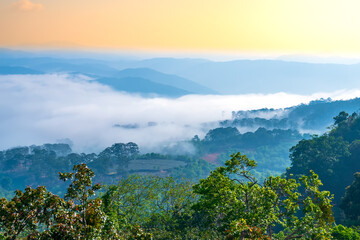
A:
{"x": 284, "y": 26}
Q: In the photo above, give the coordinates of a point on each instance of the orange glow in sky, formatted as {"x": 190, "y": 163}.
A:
{"x": 301, "y": 26}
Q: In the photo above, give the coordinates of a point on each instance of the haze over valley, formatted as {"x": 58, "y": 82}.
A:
{"x": 158, "y": 120}
{"x": 94, "y": 103}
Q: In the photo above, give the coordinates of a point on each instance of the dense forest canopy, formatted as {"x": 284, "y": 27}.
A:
{"x": 165, "y": 209}
{"x": 334, "y": 155}
{"x": 39, "y": 165}
{"x": 146, "y": 196}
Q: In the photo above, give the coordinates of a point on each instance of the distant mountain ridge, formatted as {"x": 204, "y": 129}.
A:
{"x": 264, "y": 76}
{"x": 142, "y": 86}
{"x": 202, "y": 76}
{"x": 144, "y": 81}
{"x": 314, "y": 117}
{"x": 10, "y": 70}
{"x": 167, "y": 79}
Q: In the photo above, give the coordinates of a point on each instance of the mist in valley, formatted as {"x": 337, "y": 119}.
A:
{"x": 37, "y": 109}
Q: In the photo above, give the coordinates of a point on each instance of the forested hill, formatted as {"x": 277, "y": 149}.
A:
{"x": 39, "y": 165}
{"x": 230, "y": 201}
{"x": 314, "y": 117}
{"x": 335, "y": 157}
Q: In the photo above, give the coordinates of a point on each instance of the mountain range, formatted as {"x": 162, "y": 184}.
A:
{"x": 190, "y": 76}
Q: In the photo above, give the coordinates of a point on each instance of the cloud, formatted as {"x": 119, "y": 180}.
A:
{"x": 27, "y": 5}
{"x": 37, "y": 109}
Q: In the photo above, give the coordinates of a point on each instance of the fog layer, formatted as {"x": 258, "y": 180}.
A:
{"x": 36, "y": 109}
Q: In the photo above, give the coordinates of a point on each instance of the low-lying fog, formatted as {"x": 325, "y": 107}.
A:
{"x": 37, "y": 109}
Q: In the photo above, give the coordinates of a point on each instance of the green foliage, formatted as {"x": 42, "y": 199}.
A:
{"x": 222, "y": 139}
{"x": 231, "y": 196}
{"x": 236, "y": 201}
{"x": 341, "y": 232}
{"x": 335, "y": 156}
{"x": 26, "y": 211}
{"x": 340, "y": 118}
{"x": 89, "y": 218}
{"x": 350, "y": 203}
{"x": 39, "y": 214}
{"x": 137, "y": 233}
{"x": 39, "y": 165}
{"x": 347, "y": 126}
{"x": 270, "y": 148}
{"x": 320, "y": 154}
{"x": 325, "y": 155}
{"x": 228, "y": 204}
{"x": 194, "y": 170}
{"x": 154, "y": 203}
{"x": 114, "y": 159}
{"x": 240, "y": 230}
{"x": 222, "y": 134}
{"x": 275, "y": 158}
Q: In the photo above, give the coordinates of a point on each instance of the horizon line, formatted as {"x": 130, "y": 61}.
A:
{"x": 212, "y": 55}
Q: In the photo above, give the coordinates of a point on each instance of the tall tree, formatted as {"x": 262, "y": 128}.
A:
{"x": 39, "y": 214}
{"x": 234, "y": 202}
{"x": 350, "y": 203}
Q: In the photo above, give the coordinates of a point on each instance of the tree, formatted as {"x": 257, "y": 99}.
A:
{"x": 334, "y": 156}
{"x": 341, "y": 232}
{"x": 116, "y": 158}
{"x": 222, "y": 134}
{"x": 350, "y": 203}
{"x": 234, "y": 202}
{"x": 27, "y": 211}
{"x": 156, "y": 204}
{"x": 88, "y": 217}
{"x": 39, "y": 214}
{"x": 347, "y": 127}
{"x": 340, "y": 118}
{"x": 326, "y": 155}
{"x": 121, "y": 153}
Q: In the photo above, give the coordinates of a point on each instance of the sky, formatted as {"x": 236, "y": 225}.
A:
{"x": 249, "y": 26}
{"x": 47, "y": 108}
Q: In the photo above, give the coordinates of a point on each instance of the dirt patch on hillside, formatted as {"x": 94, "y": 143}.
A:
{"x": 211, "y": 158}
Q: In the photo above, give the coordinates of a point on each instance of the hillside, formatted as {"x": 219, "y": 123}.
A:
{"x": 167, "y": 79}
{"x": 262, "y": 76}
{"x": 142, "y": 86}
{"x": 314, "y": 117}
